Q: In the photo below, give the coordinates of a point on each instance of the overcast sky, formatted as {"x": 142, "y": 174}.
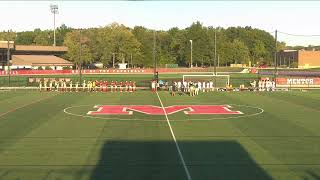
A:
{"x": 288, "y": 16}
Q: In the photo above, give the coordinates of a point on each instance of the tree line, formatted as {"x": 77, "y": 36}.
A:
{"x": 135, "y": 46}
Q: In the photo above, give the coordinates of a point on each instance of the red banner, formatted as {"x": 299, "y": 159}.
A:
{"x": 298, "y": 82}
{"x": 102, "y": 71}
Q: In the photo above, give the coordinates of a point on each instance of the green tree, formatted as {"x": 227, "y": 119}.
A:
{"x": 72, "y": 41}
{"x": 239, "y": 52}
{"x": 145, "y": 37}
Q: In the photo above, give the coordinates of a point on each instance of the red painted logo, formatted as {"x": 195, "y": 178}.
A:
{"x": 156, "y": 110}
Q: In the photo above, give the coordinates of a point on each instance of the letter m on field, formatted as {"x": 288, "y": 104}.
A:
{"x": 156, "y": 110}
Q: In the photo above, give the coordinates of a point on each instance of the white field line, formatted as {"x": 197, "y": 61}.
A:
{"x": 175, "y": 140}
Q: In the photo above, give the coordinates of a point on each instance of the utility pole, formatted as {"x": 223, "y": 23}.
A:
{"x": 113, "y": 59}
{"x": 191, "y": 52}
{"x": 131, "y": 61}
{"x": 54, "y": 11}
{"x": 275, "y": 58}
{"x": 215, "y": 52}
{"x": 8, "y": 57}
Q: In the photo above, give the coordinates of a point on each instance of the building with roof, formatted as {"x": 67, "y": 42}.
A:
{"x": 33, "y": 57}
{"x": 36, "y": 61}
{"x": 299, "y": 58}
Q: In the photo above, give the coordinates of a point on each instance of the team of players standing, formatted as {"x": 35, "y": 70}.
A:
{"x": 265, "y": 85}
{"x": 88, "y": 86}
{"x": 193, "y": 88}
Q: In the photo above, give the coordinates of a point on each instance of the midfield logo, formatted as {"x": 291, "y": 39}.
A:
{"x": 156, "y": 110}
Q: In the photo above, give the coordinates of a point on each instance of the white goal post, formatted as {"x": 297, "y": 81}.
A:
{"x": 207, "y": 77}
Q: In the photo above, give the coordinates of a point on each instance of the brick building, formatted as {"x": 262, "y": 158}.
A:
{"x": 299, "y": 58}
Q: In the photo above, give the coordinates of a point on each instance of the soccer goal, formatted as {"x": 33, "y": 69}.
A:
{"x": 219, "y": 80}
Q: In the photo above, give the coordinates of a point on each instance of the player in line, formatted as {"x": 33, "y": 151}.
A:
{"x": 87, "y": 86}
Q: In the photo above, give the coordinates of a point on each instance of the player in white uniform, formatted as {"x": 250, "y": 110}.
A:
{"x": 269, "y": 85}
{"x": 263, "y": 85}
{"x": 273, "y": 86}
{"x": 211, "y": 86}
{"x": 70, "y": 86}
{"x": 62, "y": 86}
{"x": 153, "y": 86}
{"x": 65, "y": 85}
{"x": 208, "y": 87}
{"x": 199, "y": 86}
{"x": 50, "y": 86}
{"x": 40, "y": 85}
{"x": 203, "y": 86}
{"x": 179, "y": 86}
{"x": 184, "y": 86}
{"x": 45, "y": 85}
{"x": 77, "y": 85}
{"x": 84, "y": 85}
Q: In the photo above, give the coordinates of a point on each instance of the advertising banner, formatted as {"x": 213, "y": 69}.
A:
{"x": 298, "y": 82}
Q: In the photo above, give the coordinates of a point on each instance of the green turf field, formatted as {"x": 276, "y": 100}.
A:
{"x": 277, "y": 137}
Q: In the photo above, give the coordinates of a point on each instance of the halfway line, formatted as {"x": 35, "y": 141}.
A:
{"x": 175, "y": 140}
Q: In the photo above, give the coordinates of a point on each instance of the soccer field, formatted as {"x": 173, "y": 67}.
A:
{"x": 50, "y": 135}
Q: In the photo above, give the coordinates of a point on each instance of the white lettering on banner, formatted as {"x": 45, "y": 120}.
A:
{"x": 299, "y": 81}
{"x": 310, "y": 81}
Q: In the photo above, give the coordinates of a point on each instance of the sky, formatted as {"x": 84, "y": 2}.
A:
{"x": 295, "y": 17}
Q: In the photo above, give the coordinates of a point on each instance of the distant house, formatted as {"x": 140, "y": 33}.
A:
{"x": 33, "y": 57}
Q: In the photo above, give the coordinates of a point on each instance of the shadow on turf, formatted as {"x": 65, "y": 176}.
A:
{"x": 159, "y": 160}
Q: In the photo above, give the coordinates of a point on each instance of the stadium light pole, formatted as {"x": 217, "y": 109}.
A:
{"x": 191, "y": 53}
{"x": 80, "y": 54}
{"x": 215, "y": 58}
{"x": 275, "y": 57}
{"x": 54, "y": 11}
{"x": 155, "y": 75}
